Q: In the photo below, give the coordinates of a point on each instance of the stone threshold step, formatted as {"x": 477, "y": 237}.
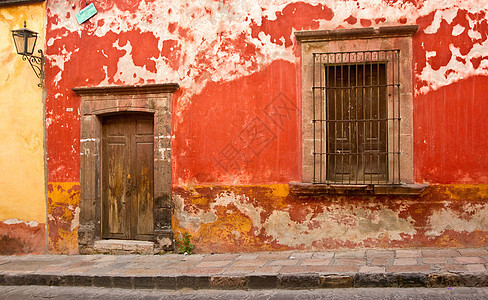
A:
{"x": 124, "y": 247}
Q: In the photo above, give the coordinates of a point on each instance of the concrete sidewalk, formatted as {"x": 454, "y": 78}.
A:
{"x": 262, "y": 270}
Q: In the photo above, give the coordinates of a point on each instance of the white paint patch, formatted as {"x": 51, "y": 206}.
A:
{"x": 165, "y": 156}
{"x": 450, "y": 14}
{"x": 457, "y": 30}
{"x": 243, "y": 205}
{"x": 446, "y": 219}
{"x": 76, "y": 219}
{"x": 15, "y": 221}
{"x": 198, "y": 217}
{"x": 194, "y": 219}
{"x": 430, "y": 54}
{"x": 436, "y": 23}
{"x": 455, "y": 70}
{"x": 50, "y": 42}
{"x": 475, "y": 35}
{"x": 339, "y": 223}
{"x": 88, "y": 140}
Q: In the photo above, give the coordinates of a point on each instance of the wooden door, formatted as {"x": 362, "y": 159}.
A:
{"x": 127, "y": 176}
{"x": 357, "y": 123}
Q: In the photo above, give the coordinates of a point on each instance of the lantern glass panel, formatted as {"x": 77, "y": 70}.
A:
{"x": 19, "y": 42}
{"x": 31, "y": 43}
{"x": 25, "y": 41}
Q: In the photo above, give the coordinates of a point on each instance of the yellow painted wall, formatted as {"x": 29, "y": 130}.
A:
{"x": 22, "y": 181}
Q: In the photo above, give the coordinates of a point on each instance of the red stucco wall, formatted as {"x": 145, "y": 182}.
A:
{"x": 450, "y": 120}
{"x": 236, "y": 118}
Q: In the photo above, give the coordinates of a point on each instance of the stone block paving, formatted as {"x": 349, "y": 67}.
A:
{"x": 261, "y": 270}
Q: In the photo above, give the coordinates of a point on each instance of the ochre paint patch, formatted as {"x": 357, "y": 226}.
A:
{"x": 22, "y": 238}
{"x": 63, "y": 217}
{"x": 270, "y": 217}
{"x": 22, "y": 185}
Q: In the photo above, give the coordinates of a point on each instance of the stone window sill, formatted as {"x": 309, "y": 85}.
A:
{"x": 310, "y": 189}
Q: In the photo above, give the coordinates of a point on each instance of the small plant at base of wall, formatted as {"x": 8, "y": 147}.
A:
{"x": 184, "y": 245}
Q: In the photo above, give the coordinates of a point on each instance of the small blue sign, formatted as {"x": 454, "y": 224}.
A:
{"x": 86, "y": 13}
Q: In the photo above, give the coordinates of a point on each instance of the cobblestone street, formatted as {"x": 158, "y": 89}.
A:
{"x": 43, "y": 292}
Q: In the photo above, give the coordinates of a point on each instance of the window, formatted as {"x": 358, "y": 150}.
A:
{"x": 355, "y": 107}
{"x": 357, "y": 110}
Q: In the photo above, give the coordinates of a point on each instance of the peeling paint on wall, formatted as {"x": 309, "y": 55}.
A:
{"x": 450, "y": 60}
{"x": 63, "y": 217}
{"x": 268, "y": 217}
{"x": 236, "y": 117}
{"x": 20, "y": 237}
{"x": 188, "y": 43}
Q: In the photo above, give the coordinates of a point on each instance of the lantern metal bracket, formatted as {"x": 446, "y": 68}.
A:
{"x": 25, "y": 43}
{"x": 37, "y": 64}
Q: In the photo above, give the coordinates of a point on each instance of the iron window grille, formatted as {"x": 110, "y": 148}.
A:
{"x": 356, "y": 117}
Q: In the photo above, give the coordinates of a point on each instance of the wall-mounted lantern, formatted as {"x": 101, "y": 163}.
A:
{"x": 25, "y": 42}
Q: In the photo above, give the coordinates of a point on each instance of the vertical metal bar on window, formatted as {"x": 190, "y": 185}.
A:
{"x": 363, "y": 108}
{"x": 314, "y": 120}
{"x": 399, "y": 119}
{"x": 370, "y": 116}
{"x": 335, "y": 117}
{"x": 326, "y": 119}
{"x": 341, "y": 116}
{"x": 356, "y": 118}
{"x": 392, "y": 120}
{"x": 348, "y": 111}
{"x": 321, "y": 155}
{"x": 329, "y": 125}
{"x": 378, "y": 116}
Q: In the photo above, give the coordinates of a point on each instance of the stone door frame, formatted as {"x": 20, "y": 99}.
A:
{"x": 97, "y": 102}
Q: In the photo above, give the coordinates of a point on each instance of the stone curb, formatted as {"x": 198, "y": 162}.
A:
{"x": 238, "y": 282}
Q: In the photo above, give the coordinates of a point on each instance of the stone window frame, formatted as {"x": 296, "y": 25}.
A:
{"x": 358, "y": 39}
{"x": 97, "y": 102}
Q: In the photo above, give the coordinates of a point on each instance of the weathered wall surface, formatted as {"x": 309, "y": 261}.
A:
{"x": 236, "y": 118}
{"x": 270, "y": 217}
{"x": 63, "y": 216}
{"x": 22, "y": 190}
